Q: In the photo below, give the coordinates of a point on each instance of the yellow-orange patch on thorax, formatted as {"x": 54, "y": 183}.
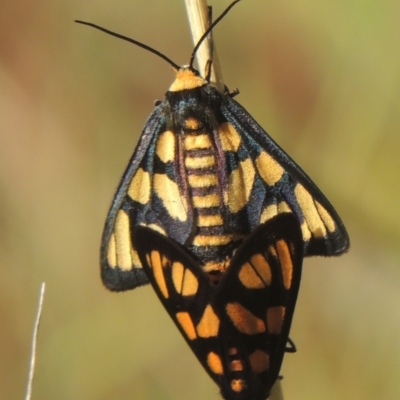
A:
{"x": 186, "y": 79}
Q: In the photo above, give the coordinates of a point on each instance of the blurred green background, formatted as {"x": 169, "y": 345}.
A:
{"x": 323, "y": 77}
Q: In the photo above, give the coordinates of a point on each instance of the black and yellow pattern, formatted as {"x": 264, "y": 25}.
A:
{"x": 206, "y": 175}
{"x": 238, "y": 327}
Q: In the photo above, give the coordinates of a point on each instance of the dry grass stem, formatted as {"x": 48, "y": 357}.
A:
{"x": 34, "y": 342}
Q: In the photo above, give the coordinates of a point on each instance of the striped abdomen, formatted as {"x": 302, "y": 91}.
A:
{"x": 206, "y": 192}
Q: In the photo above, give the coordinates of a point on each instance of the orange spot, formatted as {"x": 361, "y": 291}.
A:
{"x": 286, "y": 262}
{"x": 250, "y": 278}
{"x": 209, "y": 323}
{"x": 186, "y": 323}
{"x": 177, "y": 275}
{"x": 215, "y": 363}
{"x": 189, "y": 284}
{"x": 275, "y": 317}
{"x": 244, "y": 320}
{"x": 158, "y": 273}
{"x": 236, "y": 365}
{"x": 259, "y": 361}
{"x": 262, "y": 267}
{"x": 232, "y": 351}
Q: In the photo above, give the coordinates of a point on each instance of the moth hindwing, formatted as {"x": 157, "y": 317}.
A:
{"x": 238, "y": 327}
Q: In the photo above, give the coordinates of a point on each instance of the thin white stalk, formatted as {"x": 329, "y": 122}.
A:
{"x": 34, "y": 342}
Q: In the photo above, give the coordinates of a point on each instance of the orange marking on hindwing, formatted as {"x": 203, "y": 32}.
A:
{"x": 209, "y": 323}
{"x": 215, "y": 363}
{"x": 186, "y": 324}
{"x": 275, "y": 316}
{"x": 159, "y": 273}
{"x": 286, "y": 262}
{"x": 244, "y": 320}
{"x": 259, "y": 361}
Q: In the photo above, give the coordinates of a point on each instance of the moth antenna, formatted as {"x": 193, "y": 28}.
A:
{"x": 208, "y": 30}
{"x": 137, "y": 43}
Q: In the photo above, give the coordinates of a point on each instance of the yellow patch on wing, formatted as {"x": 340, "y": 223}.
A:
{"x": 240, "y": 183}
{"x": 244, "y": 320}
{"x": 275, "y": 317}
{"x": 157, "y": 229}
{"x": 140, "y": 187}
{"x": 286, "y": 262}
{"x": 268, "y": 213}
{"x": 193, "y": 142}
{"x": 229, "y": 137}
{"x": 111, "y": 252}
{"x": 283, "y": 207}
{"x": 305, "y": 231}
{"x": 274, "y": 209}
{"x": 122, "y": 241}
{"x": 197, "y": 181}
{"x": 238, "y": 385}
{"x": 135, "y": 258}
{"x": 313, "y": 218}
{"x": 165, "y": 148}
{"x": 186, "y": 324}
{"x": 259, "y": 361}
{"x": 209, "y": 323}
{"x": 329, "y": 222}
{"x": 157, "y": 266}
{"x": 186, "y": 79}
{"x": 169, "y": 193}
{"x": 215, "y": 363}
{"x": 270, "y": 170}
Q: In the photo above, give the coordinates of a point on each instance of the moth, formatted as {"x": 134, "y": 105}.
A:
{"x": 217, "y": 217}
{"x": 238, "y": 328}
{"x": 206, "y": 175}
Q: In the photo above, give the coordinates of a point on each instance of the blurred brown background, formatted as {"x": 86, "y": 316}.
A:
{"x": 323, "y": 77}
